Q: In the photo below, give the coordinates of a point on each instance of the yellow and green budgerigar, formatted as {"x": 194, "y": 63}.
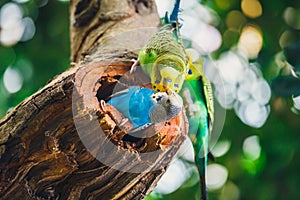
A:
{"x": 200, "y": 117}
{"x": 169, "y": 66}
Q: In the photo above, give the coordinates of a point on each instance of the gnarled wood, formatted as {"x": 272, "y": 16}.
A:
{"x": 64, "y": 142}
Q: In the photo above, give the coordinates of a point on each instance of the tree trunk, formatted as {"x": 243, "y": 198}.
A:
{"x": 65, "y": 142}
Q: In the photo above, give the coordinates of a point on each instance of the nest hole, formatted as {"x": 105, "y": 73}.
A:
{"x": 116, "y": 131}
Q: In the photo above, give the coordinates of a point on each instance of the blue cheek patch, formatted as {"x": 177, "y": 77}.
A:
{"x": 167, "y": 80}
{"x": 176, "y": 85}
{"x": 157, "y": 81}
{"x": 190, "y": 72}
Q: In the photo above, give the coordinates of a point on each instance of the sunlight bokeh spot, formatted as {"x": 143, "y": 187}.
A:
{"x": 189, "y": 26}
{"x": 261, "y": 91}
{"x": 292, "y": 17}
{"x": 250, "y": 41}
{"x": 226, "y": 95}
{"x": 186, "y": 150}
{"x": 251, "y": 8}
{"x": 21, "y": 1}
{"x": 174, "y": 177}
{"x": 286, "y": 38}
{"x": 253, "y": 114}
{"x": 230, "y": 191}
{"x": 187, "y": 4}
{"x": 225, "y": 5}
{"x": 242, "y": 93}
{"x": 296, "y": 101}
{"x": 163, "y": 6}
{"x": 12, "y": 80}
{"x": 216, "y": 176}
{"x": 42, "y": 3}
{"x": 207, "y": 37}
{"x": 196, "y": 24}
{"x": 242, "y": 87}
{"x": 11, "y": 26}
{"x": 29, "y": 30}
{"x": 11, "y": 36}
{"x": 251, "y": 147}
{"x": 231, "y": 67}
{"x": 10, "y": 13}
{"x": 193, "y": 54}
{"x": 230, "y": 37}
{"x": 235, "y": 20}
{"x": 221, "y": 148}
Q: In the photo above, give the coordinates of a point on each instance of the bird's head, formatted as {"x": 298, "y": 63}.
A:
{"x": 166, "y": 106}
{"x": 168, "y": 73}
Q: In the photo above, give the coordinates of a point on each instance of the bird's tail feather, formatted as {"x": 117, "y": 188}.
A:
{"x": 204, "y": 195}
{"x": 202, "y": 171}
{"x": 174, "y": 14}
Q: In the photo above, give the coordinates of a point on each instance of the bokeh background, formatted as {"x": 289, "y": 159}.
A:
{"x": 252, "y": 56}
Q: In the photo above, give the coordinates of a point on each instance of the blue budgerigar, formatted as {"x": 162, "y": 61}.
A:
{"x": 169, "y": 66}
{"x": 143, "y": 107}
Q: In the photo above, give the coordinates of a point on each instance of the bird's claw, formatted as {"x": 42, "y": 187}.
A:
{"x": 124, "y": 121}
{"x": 140, "y": 128}
{"x": 102, "y": 105}
{"x": 134, "y": 65}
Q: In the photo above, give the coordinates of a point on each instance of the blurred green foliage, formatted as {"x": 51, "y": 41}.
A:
{"x": 42, "y": 57}
{"x": 273, "y": 175}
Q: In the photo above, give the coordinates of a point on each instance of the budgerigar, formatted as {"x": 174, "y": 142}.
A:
{"x": 163, "y": 58}
{"x": 167, "y": 63}
{"x": 201, "y": 117}
{"x": 143, "y": 107}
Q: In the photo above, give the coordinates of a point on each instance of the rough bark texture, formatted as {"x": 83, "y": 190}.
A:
{"x": 64, "y": 142}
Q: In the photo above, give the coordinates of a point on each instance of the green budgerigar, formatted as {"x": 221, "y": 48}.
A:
{"x": 164, "y": 58}
{"x": 170, "y": 66}
{"x": 201, "y": 116}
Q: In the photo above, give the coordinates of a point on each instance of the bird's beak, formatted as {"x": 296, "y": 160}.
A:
{"x": 167, "y": 83}
{"x": 169, "y": 91}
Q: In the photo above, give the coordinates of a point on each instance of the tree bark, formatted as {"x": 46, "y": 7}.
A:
{"x": 65, "y": 142}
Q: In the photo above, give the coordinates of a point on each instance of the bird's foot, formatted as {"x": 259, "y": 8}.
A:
{"x": 134, "y": 65}
{"x": 123, "y": 122}
{"x": 140, "y": 128}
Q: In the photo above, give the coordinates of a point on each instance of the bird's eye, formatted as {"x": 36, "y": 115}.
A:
{"x": 154, "y": 86}
{"x": 168, "y": 101}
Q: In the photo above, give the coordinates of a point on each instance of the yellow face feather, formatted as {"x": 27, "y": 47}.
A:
{"x": 195, "y": 68}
